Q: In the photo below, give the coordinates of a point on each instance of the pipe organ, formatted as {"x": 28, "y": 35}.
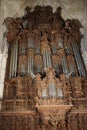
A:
{"x": 45, "y": 84}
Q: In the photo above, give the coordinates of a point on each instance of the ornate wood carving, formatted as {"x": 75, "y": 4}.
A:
{"x": 45, "y": 86}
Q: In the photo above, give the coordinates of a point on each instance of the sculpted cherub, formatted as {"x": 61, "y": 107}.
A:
{"x": 38, "y": 77}
{"x": 50, "y": 72}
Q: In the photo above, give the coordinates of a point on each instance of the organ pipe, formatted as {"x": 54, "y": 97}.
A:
{"x": 71, "y": 67}
{"x": 44, "y": 60}
{"x": 78, "y": 60}
{"x": 30, "y": 43}
{"x": 44, "y": 93}
{"x": 52, "y": 90}
{"x": 64, "y": 65}
{"x": 81, "y": 64}
{"x": 54, "y": 49}
{"x": 10, "y": 71}
{"x": 16, "y": 56}
{"x": 13, "y": 63}
{"x": 47, "y": 59}
{"x": 30, "y": 65}
{"x": 22, "y": 69}
{"x": 59, "y": 93}
{"x": 13, "y": 60}
{"x": 23, "y": 49}
{"x": 60, "y": 43}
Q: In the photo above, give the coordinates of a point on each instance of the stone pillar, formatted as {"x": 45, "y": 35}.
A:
{"x": 84, "y": 31}
{"x": 3, "y": 59}
{"x": 84, "y": 46}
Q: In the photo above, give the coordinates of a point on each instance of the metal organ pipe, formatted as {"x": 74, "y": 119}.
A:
{"x": 50, "y": 63}
{"x": 44, "y": 59}
{"x": 12, "y": 64}
{"x": 16, "y": 56}
{"x": 78, "y": 60}
{"x": 52, "y": 90}
{"x": 56, "y": 68}
{"x": 30, "y": 43}
{"x": 60, "y": 43}
{"x": 44, "y": 93}
{"x": 71, "y": 67}
{"x": 54, "y": 49}
{"x": 47, "y": 59}
{"x": 23, "y": 49}
{"x": 30, "y": 56}
{"x": 30, "y": 64}
{"x": 13, "y": 61}
{"x": 10, "y": 71}
{"x": 64, "y": 65}
{"x": 81, "y": 64}
{"x": 23, "y": 69}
